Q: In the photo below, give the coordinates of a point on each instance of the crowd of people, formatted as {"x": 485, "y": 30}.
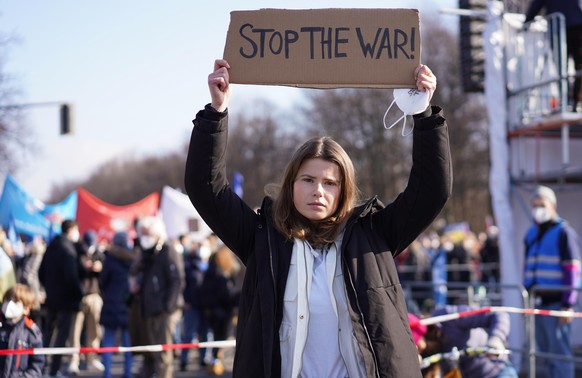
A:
{"x": 149, "y": 290}
{"x": 139, "y": 288}
{"x": 439, "y": 257}
{"x": 142, "y": 288}
{"x": 551, "y": 272}
{"x": 90, "y": 292}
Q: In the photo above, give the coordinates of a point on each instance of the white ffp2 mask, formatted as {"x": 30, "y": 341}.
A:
{"x": 410, "y": 101}
{"x": 12, "y": 310}
{"x": 147, "y": 242}
{"x": 541, "y": 215}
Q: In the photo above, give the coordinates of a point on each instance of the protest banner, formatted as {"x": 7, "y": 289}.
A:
{"x": 324, "y": 48}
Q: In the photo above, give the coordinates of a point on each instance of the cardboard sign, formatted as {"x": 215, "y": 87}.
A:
{"x": 324, "y": 48}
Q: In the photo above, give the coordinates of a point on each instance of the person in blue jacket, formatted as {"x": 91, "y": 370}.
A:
{"x": 193, "y": 321}
{"x": 552, "y": 258}
{"x": 114, "y": 286}
{"x": 489, "y": 329}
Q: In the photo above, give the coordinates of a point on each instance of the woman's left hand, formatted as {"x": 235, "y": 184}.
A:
{"x": 425, "y": 79}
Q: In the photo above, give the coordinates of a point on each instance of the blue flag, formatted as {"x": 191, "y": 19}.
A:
{"x": 237, "y": 183}
{"x": 30, "y": 216}
{"x": 11, "y": 234}
{"x": 58, "y": 212}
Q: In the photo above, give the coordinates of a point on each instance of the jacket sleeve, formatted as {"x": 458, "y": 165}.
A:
{"x": 208, "y": 188}
{"x": 35, "y": 361}
{"x": 494, "y": 323}
{"x": 429, "y": 184}
{"x": 104, "y": 277}
{"x": 71, "y": 270}
{"x": 174, "y": 272}
{"x": 569, "y": 246}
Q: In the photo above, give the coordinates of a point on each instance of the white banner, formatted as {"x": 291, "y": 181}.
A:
{"x": 180, "y": 216}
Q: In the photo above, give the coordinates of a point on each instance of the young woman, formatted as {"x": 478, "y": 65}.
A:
{"x": 321, "y": 296}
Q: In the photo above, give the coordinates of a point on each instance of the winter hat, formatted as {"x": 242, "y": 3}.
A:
{"x": 418, "y": 329}
{"x": 545, "y": 193}
{"x": 121, "y": 239}
{"x": 90, "y": 238}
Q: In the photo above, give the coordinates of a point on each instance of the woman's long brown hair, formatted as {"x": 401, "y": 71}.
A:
{"x": 286, "y": 217}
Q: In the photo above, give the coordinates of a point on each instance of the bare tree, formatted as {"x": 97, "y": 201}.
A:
{"x": 261, "y": 143}
{"x": 14, "y": 134}
{"x": 466, "y": 115}
{"x": 353, "y": 117}
{"x": 383, "y": 157}
{"x": 125, "y": 181}
{"x": 259, "y": 148}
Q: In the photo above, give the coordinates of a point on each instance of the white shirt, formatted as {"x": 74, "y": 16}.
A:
{"x": 321, "y": 357}
{"x": 316, "y": 334}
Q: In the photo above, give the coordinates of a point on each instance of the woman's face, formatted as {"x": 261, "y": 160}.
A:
{"x": 316, "y": 189}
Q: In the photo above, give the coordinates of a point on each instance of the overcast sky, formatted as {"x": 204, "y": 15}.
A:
{"x": 135, "y": 71}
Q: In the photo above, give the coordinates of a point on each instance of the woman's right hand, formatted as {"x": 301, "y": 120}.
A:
{"x": 219, "y": 85}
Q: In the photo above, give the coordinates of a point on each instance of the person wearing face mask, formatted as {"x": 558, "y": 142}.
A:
{"x": 552, "y": 258}
{"x": 60, "y": 275}
{"x": 17, "y": 331}
{"x": 160, "y": 291}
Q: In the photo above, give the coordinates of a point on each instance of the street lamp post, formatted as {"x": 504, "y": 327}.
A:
{"x": 65, "y": 113}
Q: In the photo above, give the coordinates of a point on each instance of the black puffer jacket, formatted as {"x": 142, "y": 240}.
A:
{"x": 162, "y": 281}
{"x": 373, "y": 236}
{"x": 60, "y": 275}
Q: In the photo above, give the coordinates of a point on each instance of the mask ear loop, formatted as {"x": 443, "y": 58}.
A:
{"x": 395, "y": 122}
{"x": 404, "y": 128}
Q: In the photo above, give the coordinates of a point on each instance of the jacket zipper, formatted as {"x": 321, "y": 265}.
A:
{"x": 156, "y": 284}
{"x": 18, "y": 355}
{"x": 271, "y": 264}
{"x": 363, "y": 322}
{"x": 339, "y": 334}
{"x": 308, "y": 312}
{"x": 269, "y": 245}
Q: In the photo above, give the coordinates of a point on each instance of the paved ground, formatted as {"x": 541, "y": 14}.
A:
{"x": 193, "y": 368}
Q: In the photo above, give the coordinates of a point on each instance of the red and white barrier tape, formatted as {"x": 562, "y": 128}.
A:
{"x": 119, "y": 349}
{"x": 232, "y": 343}
{"x": 525, "y": 311}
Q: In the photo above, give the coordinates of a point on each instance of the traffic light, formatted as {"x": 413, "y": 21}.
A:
{"x": 66, "y": 119}
{"x": 471, "y": 46}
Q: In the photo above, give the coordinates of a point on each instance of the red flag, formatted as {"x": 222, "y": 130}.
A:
{"x": 106, "y": 219}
